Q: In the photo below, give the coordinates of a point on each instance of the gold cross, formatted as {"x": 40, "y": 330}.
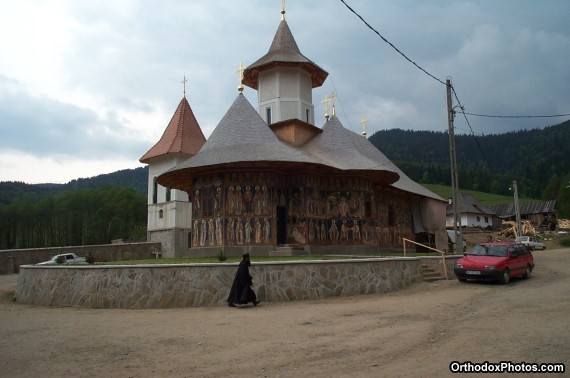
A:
{"x": 184, "y": 84}
{"x": 240, "y": 69}
{"x": 364, "y": 122}
{"x": 327, "y": 102}
{"x": 282, "y": 10}
{"x": 333, "y": 96}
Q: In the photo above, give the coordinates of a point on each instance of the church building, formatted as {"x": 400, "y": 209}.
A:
{"x": 269, "y": 177}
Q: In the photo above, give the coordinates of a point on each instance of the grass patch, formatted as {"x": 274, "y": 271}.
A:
{"x": 485, "y": 198}
{"x": 214, "y": 259}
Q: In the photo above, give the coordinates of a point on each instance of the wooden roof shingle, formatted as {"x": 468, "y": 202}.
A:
{"x": 283, "y": 52}
{"x": 183, "y": 135}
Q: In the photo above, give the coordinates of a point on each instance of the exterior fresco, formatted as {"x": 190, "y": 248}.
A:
{"x": 240, "y": 209}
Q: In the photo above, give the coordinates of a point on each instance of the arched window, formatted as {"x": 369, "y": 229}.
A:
{"x": 161, "y": 213}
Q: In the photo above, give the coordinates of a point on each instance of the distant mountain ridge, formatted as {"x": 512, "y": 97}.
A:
{"x": 536, "y": 158}
{"x": 135, "y": 178}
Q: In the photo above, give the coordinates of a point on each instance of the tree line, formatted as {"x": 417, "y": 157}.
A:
{"x": 75, "y": 217}
{"x": 537, "y": 159}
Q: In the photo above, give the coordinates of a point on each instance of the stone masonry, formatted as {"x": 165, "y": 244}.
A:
{"x": 167, "y": 286}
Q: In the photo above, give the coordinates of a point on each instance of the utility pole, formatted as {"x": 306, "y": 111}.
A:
{"x": 458, "y": 245}
{"x": 517, "y": 209}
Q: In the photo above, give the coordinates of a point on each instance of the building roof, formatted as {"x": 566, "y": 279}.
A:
{"x": 183, "y": 135}
{"x": 283, "y": 52}
{"x": 346, "y": 150}
{"x": 469, "y": 205}
{"x": 349, "y": 145}
{"x": 526, "y": 208}
{"x": 243, "y": 138}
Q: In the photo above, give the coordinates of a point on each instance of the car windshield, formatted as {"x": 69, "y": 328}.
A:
{"x": 492, "y": 250}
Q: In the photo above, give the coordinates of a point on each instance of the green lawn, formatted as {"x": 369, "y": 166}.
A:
{"x": 214, "y": 259}
{"x": 485, "y": 198}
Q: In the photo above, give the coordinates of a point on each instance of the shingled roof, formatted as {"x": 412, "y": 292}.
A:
{"x": 526, "y": 208}
{"x": 468, "y": 204}
{"x": 338, "y": 147}
{"x": 283, "y": 52}
{"x": 242, "y": 138}
{"x": 183, "y": 135}
{"x": 350, "y": 150}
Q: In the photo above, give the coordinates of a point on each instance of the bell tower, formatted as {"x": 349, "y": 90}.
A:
{"x": 284, "y": 79}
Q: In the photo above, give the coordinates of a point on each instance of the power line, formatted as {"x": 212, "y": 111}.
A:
{"x": 391, "y": 45}
{"x": 470, "y": 128}
{"x": 442, "y": 82}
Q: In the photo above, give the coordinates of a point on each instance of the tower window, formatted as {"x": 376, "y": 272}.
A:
{"x": 168, "y": 194}
{"x": 154, "y": 191}
{"x": 307, "y": 113}
{"x": 161, "y": 213}
{"x": 268, "y": 115}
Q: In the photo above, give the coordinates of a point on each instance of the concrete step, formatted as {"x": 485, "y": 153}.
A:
{"x": 430, "y": 274}
{"x": 290, "y": 250}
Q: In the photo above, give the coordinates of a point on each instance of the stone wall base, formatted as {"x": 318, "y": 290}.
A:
{"x": 164, "y": 286}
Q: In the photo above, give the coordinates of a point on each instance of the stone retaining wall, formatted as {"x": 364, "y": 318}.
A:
{"x": 164, "y": 286}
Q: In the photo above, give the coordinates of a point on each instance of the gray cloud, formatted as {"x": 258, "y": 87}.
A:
{"x": 44, "y": 127}
{"x": 505, "y": 57}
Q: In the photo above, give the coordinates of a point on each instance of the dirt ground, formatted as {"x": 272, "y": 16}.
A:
{"x": 415, "y": 332}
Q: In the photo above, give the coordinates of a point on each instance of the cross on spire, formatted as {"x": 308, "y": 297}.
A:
{"x": 364, "y": 122}
{"x": 282, "y": 10}
{"x": 326, "y": 103}
{"x": 240, "y": 69}
{"x": 333, "y": 96}
{"x": 184, "y": 84}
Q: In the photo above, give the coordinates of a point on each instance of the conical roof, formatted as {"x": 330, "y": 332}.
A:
{"x": 242, "y": 136}
{"x": 183, "y": 135}
{"x": 404, "y": 182}
{"x": 346, "y": 150}
{"x": 283, "y": 52}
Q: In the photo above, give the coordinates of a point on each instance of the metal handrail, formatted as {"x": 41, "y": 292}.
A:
{"x": 433, "y": 249}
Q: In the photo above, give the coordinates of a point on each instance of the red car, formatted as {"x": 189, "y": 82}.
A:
{"x": 496, "y": 261}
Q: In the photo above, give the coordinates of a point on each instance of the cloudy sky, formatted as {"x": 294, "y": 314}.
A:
{"x": 87, "y": 87}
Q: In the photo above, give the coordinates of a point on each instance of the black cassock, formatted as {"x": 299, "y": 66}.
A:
{"x": 241, "y": 291}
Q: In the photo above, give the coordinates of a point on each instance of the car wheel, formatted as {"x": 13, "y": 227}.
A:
{"x": 462, "y": 279}
{"x": 526, "y": 274}
{"x": 506, "y": 277}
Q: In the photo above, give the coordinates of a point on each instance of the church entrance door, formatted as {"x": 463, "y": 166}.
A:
{"x": 281, "y": 225}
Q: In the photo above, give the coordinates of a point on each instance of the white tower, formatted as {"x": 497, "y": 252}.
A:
{"x": 169, "y": 210}
{"x": 284, "y": 79}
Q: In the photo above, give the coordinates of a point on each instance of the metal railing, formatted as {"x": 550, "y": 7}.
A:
{"x": 442, "y": 253}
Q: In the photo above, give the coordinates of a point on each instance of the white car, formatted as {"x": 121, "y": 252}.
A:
{"x": 531, "y": 242}
{"x": 65, "y": 258}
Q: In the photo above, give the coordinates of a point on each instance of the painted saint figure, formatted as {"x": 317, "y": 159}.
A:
{"x": 203, "y": 233}
{"x": 211, "y": 231}
{"x": 219, "y": 231}
{"x": 266, "y": 230}
{"x": 333, "y": 231}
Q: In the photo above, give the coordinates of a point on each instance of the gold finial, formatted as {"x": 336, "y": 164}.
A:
{"x": 327, "y": 102}
{"x": 364, "y": 122}
{"x": 332, "y": 99}
{"x": 282, "y": 10}
{"x": 240, "y": 69}
{"x": 184, "y": 84}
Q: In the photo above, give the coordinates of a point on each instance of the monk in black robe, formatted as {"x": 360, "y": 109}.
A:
{"x": 241, "y": 291}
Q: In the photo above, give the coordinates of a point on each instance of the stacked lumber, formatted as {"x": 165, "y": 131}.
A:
{"x": 510, "y": 229}
{"x": 564, "y": 224}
